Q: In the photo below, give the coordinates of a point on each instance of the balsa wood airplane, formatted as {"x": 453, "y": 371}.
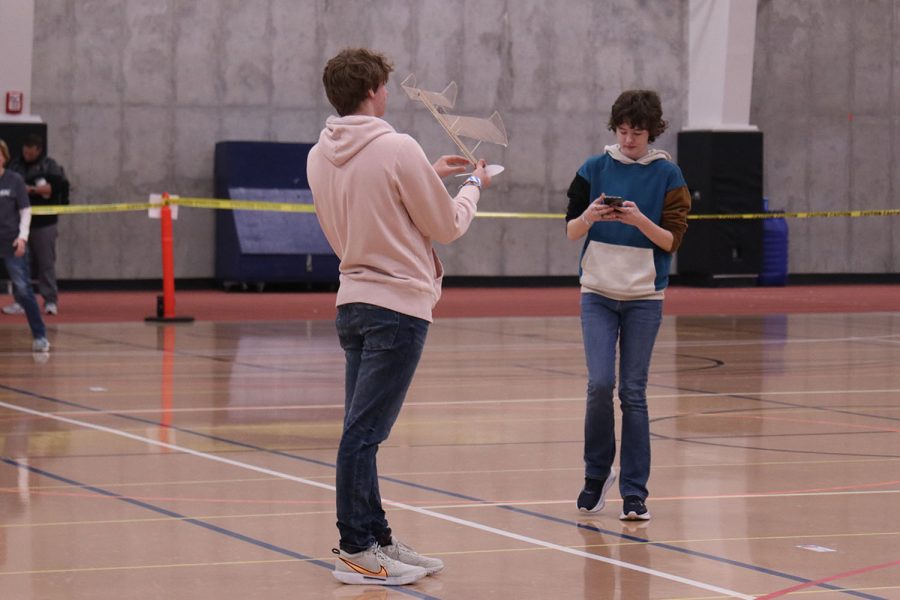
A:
{"x": 489, "y": 130}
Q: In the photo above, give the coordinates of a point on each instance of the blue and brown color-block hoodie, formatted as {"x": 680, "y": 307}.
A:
{"x": 618, "y": 261}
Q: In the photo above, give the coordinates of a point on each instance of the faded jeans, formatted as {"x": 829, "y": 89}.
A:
{"x": 20, "y": 276}
{"x": 382, "y": 349}
{"x": 633, "y": 325}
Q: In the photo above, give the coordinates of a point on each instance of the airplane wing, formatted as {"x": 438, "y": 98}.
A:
{"x": 444, "y": 99}
{"x": 486, "y": 130}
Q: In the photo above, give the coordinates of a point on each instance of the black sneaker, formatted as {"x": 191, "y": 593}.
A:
{"x": 634, "y": 509}
{"x": 593, "y": 497}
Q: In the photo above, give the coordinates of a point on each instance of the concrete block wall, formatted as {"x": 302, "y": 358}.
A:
{"x": 136, "y": 94}
{"x": 826, "y": 94}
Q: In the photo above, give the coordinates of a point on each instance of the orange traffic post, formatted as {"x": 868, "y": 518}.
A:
{"x": 165, "y": 309}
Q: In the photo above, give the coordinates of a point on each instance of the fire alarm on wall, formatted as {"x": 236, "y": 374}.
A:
{"x": 14, "y": 102}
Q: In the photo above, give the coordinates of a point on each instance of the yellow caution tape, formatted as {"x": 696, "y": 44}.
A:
{"x": 513, "y": 215}
{"x": 804, "y": 215}
{"x": 89, "y": 208}
{"x": 216, "y": 203}
{"x": 243, "y": 205}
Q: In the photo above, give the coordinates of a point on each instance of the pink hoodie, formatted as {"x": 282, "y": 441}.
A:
{"x": 380, "y": 204}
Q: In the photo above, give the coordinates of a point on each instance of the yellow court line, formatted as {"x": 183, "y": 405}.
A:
{"x": 457, "y": 472}
{"x": 169, "y": 566}
{"x": 492, "y": 504}
{"x": 166, "y": 519}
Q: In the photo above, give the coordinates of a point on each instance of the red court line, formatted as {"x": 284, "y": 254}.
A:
{"x": 801, "y": 586}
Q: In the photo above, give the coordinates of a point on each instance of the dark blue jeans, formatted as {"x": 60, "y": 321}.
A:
{"x": 382, "y": 348}
{"x": 633, "y": 325}
{"x": 19, "y": 273}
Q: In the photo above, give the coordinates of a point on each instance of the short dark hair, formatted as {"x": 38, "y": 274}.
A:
{"x": 641, "y": 109}
{"x": 350, "y": 75}
{"x": 34, "y": 140}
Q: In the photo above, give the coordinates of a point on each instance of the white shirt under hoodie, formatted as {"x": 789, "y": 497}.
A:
{"x": 380, "y": 204}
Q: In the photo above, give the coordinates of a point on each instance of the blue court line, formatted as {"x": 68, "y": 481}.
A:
{"x": 439, "y": 491}
{"x": 192, "y": 521}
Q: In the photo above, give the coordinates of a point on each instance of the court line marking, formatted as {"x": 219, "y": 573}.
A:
{"x": 774, "y": 495}
{"x": 462, "y": 472}
{"x": 330, "y": 512}
{"x": 800, "y": 586}
{"x": 464, "y": 497}
{"x": 57, "y": 491}
{"x": 422, "y": 511}
{"x": 435, "y": 347}
{"x": 741, "y": 415}
{"x": 191, "y": 521}
{"x": 236, "y": 563}
{"x": 411, "y": 404}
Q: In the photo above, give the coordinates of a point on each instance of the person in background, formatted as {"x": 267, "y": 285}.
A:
{"x": 632, "y": 203}
{"x": 15, "y": 221}
{"x": 47, "y": 185}
{"x": 380, "y": 203}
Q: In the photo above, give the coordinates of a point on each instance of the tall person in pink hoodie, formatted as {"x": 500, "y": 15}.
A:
{"x": 381, "y": 204}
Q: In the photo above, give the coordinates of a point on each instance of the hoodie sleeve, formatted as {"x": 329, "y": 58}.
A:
{"x": 433, "y": 211}
{"x": 676, "y": 207}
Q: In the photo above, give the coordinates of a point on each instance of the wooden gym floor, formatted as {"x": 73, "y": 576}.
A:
{"x": 196, "y": 461}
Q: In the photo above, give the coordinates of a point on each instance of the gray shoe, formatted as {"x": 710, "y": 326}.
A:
{"x": 51, "y": 309}
{"x": 13, "y": 309}
{"x": 374, "y": 567}
{"x": 40, "y": 344}
{"x": 400, "y": 551}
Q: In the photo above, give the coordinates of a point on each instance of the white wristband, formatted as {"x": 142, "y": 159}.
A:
{"x": 586, "y": 222}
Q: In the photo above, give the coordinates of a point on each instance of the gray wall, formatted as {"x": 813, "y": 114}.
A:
{"x": 136, "y": 94}
{"x": 826, "y": 94}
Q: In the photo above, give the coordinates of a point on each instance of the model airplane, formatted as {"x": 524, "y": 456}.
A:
{"x": 482, "y": 130}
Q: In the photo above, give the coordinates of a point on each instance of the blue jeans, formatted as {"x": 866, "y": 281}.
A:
{"x": 633, "y": 325}
{"x": 19, "y": 273}
{"x": 382, "y": 349}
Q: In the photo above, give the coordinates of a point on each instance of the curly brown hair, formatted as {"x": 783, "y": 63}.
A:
{"x": 350, "y": 75}
{"x": 641, "y": 109}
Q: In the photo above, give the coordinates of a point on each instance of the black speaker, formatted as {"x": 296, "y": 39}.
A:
{"x": 724, "y": 171}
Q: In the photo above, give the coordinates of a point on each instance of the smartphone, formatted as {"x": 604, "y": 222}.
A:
{"x": 614, "y": 201}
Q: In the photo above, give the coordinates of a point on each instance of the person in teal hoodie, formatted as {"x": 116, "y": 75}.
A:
{"x": 631, "y": 202}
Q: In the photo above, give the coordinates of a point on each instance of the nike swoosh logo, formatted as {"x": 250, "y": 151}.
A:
{"x": 364, "y": 571}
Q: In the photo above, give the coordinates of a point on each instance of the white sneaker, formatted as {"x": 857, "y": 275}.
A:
{"x": 373, "y": 567}
{"x": 400, "y": 551}
{"x": 40, "y": 344}
{"x": 13, "y": 309}
{"x": 51, "y": 309}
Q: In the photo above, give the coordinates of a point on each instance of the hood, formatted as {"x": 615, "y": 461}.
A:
{"x": 652, "y": 154}
{"x": 344, "y": 137}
